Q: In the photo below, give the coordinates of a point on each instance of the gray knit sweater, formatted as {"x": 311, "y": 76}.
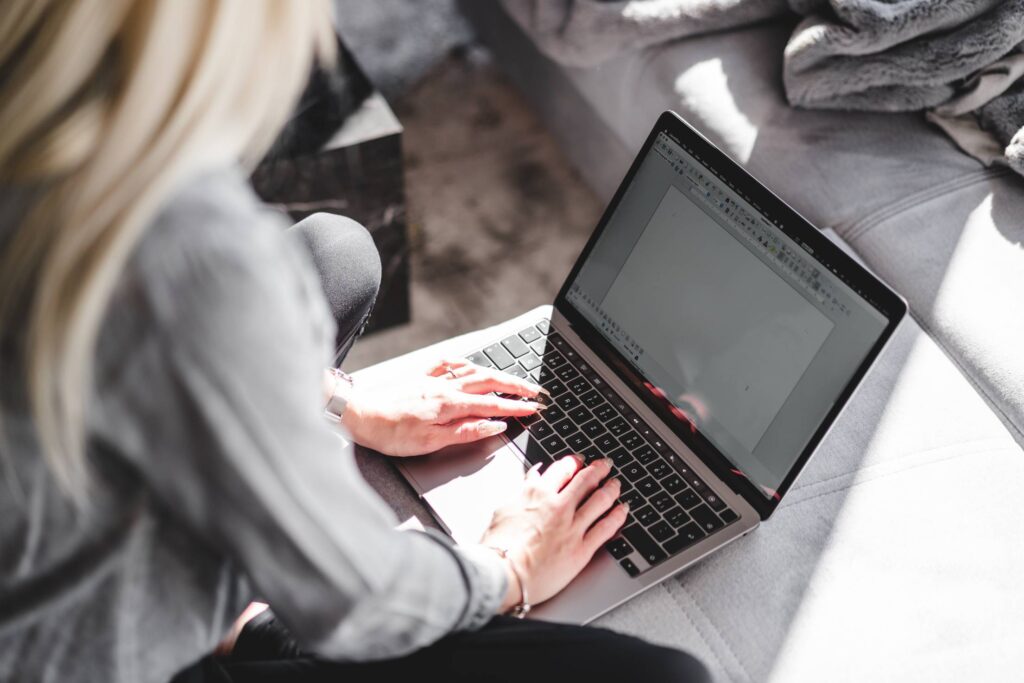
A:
{"x": 215, "y": 478}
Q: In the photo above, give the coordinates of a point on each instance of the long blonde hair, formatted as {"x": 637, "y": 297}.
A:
{"x": 105, "y": 106}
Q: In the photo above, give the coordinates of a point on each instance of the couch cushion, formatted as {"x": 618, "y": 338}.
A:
{"x": 956, "y": 254}
{"x": 832, "y": 166}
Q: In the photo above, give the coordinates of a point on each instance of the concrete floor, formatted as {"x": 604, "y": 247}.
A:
{"x": 497, "y": 215}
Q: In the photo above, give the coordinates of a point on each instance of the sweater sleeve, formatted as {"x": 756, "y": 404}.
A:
{"x": 220, "y": 409}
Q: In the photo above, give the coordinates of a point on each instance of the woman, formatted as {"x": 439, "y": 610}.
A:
{"x": 162, "y": 344}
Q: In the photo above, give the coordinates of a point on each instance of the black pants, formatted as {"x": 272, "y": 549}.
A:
{"x": 506, "y": 649}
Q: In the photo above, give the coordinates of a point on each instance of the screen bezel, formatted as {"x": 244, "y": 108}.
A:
{"x": 793, "y": 225}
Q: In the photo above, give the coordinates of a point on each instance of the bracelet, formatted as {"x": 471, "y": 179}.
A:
{"x": 520, "y": 610}
{"x": 335, "y": 408}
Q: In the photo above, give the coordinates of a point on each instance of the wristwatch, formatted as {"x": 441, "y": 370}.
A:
{"x": 335, "y": 408}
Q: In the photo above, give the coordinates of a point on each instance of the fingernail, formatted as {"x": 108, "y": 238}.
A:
{"x": 625, "y": 506}
{"x": 496, "y": 427}
{"x": 544, "y": 399}
{"x": 540, "y": 406}
{"x": 542, "y": 390}
{"x": 609, "y": 462}
{"x": 579, "y": 458}
{"x": 615, "y": 480}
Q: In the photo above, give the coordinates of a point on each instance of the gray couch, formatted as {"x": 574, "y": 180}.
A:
{"x": 897, "y": 554}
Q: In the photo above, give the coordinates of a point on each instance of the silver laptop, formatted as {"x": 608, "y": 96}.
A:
{"x": 706, "y": 339}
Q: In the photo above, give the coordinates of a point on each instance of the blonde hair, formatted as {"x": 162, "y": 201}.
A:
{"x": 106, "y": 105}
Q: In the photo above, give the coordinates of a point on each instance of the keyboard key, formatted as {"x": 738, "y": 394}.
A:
{"x": 619, "y": 548}
{"x": 593, "y": 428}
{"x": 579, "y": 443}
{"x": 633, "y": 471}
{"x": 527, "y": 420}
{"x": 673, "y": 483}
{"x": 707, "y": 519}
{"x": 644, "y": 544}
{"x": 728, "y": 516}
{"x": 606, "y": 442}
{"x": 620, "y": 456}
{"x": 630, "y": 567}
{"x": 517, "y": 371}
{"x": 480, "y": 359}
{"x": 553, "y": 413}
{"x": 604, "y": 412}
{"x": 631, "y": 440}
{"x": 553, "y": 360}
{"x": 499, "y": 356}
{"x": 687, "y": 536}
{"x": 696, "y": 483}
{"x": 662, "y": 501}
{"x": 544, "y": 326}
{"x": 677, "y": 517}
{"x": 632, "y": 498}
{"x": 592, "y": 399}
{"x": 687, "y": 499}
{"x": 597, "y": 381}
{"x": 712, "y": 499}
{"x": 662, "y": 531}
{"x": 618, "y": 426}
{"x": 554, "y": 387}
{"x": 530, "y": 361}
{"x": 580, "y": 415}
{"x": 658, "y": 444}
{"x": 565, "y": 427}
{"x": 541, "y": 430}
{"x": 647, "y": 515}
{"x": 567, "y": 373}
{"x": 659, "y": 468}
{"x": 647, "y": 486}
{"x": 645, "y": 455}
{"x": 554, "y": 445}
{"x": 578, "y": 385}
{"x": 557, "y": 340}
{"x": 529, "y": 335}
{"x": 567, "y": 401}
{"x": 516, "y": 346}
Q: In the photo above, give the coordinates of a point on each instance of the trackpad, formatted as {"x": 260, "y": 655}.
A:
{"x": 465, "y": 484}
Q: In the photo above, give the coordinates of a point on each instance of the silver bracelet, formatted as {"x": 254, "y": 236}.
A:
{"x": 335, "y": 408}
{"x": 520, "y": 610}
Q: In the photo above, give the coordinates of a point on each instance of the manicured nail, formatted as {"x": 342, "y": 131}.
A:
{"x": 496, "y": 427}
{"x": 609, "y": 462}
{"x": 625, "y": 506}
{"x": 539, "y": 407}
{"x": 542, "y": 390}
{"x": 614, "y": 480}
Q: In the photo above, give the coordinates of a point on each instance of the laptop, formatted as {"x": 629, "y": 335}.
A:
{"x": 706, "y": 340}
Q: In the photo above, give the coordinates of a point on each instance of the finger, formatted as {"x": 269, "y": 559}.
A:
{"x": 468, "y": 430}
{"x": 559, "y": 473}
{"x": 470, "y": 405}
{"x": 588, "y": 479}
{"x": 605, "y": 529}
{"x": 442, "y": 366}
{"x": 599, "y": 502}
{"x": 486, "y": 380}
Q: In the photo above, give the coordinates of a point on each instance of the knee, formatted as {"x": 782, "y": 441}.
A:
{"x": 347, "y": 261}
{"x": 675, "y": 665}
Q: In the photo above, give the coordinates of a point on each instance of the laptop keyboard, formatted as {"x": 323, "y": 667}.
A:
{"x": 671, "y": 508}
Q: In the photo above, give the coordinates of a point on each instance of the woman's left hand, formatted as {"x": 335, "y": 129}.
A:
{"x": 451, "y": 403}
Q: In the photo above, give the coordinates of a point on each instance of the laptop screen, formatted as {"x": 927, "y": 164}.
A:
{"x": 747, "y": 335}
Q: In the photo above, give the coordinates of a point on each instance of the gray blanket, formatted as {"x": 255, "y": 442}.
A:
{"x": 876, "y": 55}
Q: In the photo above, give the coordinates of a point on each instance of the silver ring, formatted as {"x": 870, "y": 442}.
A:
{"x": 451, "y": 373}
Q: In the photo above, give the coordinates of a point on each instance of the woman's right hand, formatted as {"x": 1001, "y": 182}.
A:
{"x": 556, "y": 526}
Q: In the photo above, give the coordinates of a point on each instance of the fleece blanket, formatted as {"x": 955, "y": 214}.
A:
{"x": 876, "y": 55}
